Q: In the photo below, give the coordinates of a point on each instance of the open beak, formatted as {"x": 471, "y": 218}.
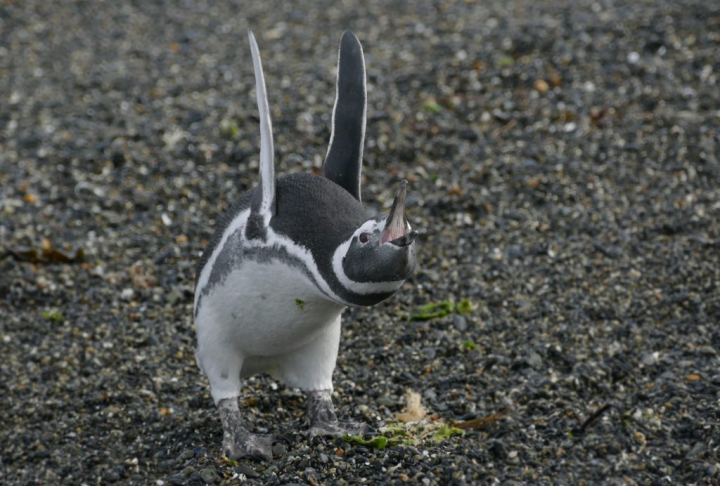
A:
{"x": 397, "y": 230}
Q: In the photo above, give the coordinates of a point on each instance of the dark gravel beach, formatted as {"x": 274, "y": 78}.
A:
{"x": 563, "y": 158}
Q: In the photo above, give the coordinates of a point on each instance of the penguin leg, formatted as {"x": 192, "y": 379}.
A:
{"x": 310, "y": 368}
{"x": 222, "y": 364}
{"x": 237, "y": 440}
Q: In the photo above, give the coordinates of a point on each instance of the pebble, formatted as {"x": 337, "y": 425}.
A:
{"x": 247, "y": 471}
{"x": 186, "y": 454}
{"x": 209, "y": 475}
{"x": 649, "y": 359}
{"x": 697, "y": 449}
{"x": 542, "y": 86}
{"x": 111, "y": 475}
{"x": 279, "y": 449}
{"x": 535, "y": 360}
{"x": 176, "y": 480}
{"x": 460, "y": 323}
{"x": 386, "y": 401}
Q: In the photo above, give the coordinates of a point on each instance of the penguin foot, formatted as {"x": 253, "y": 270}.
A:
{"x": 237, "y": 440}
{"x": 338, "y": 429}
{"x": 324, "y": 422}
{"x": 252, "y": 446}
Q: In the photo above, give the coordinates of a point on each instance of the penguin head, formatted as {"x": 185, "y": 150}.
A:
{"x": 376, "y": 259}
{"x": 380, "y": 254}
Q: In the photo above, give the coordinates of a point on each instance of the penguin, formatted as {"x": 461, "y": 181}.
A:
{"x": 285, "y": 261}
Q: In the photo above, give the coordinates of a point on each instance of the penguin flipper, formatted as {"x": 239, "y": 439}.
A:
{"x": 263, "y": 201}
{"x": 343, "y": 163}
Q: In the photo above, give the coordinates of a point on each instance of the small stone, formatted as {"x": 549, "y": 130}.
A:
{"x": 667, "y": 376}
{"x": 173, "y": 297}
{"x": 386, "y": 401}
{"x": 535, "y": 361}
{"x": 111, "y": 475}
{"x": 117, "y": 158}
{"x": 460, "y": 323}
{"x": 649, "y": 359}
{"x": 715, "y": 380}
{"x": 247, "y": 471}
{"x": 541, "y": 86}
{"x": 279, "y": 449}
{"x": 209, "y": 475}
{"x": 698, "y": 449}
{"x": 323, "y": 458}
{"x": 707, "y": 351}
{"x": 187, "y": 454}
{"x": 176, "y": 480}
{"x": 497, "y": 449}
{"x": 640, "y": 438}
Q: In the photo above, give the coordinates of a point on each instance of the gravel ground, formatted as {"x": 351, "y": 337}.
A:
{"x": 563, "y": 157}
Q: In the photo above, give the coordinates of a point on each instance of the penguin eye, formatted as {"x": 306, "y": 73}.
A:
{"x": 364, "y": 237}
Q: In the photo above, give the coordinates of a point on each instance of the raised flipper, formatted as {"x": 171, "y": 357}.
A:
{"x": 343, "y": 163}
{"x": 263, "y": 202}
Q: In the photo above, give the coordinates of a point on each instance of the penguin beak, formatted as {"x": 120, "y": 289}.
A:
{"x": 397, "y": 230}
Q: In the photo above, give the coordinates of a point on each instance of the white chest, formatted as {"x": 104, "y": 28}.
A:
{"x": 266, "y": 309}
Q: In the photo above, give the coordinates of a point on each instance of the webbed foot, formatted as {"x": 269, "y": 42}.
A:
{"x": 237, "y": 440}
{"x": 323, "y": 421}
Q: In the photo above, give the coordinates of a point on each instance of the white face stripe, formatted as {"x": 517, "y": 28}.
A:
{"x": 363, "y": 288}
{"x": 267, "y": 153}
{"x": 273, "y": 239}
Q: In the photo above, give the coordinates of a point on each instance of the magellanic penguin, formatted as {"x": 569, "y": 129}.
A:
{"x": 287, "y": 259}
